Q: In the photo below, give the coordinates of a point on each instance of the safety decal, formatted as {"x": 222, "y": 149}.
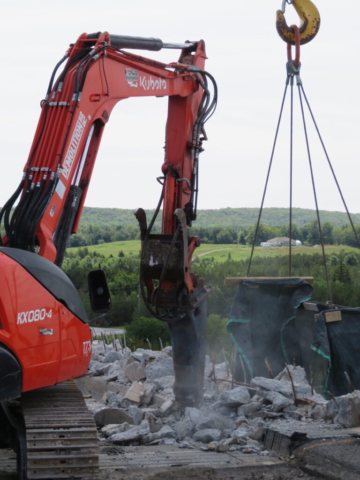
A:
{"x": 132, "y": 77}
{"x": 87, "y": 347}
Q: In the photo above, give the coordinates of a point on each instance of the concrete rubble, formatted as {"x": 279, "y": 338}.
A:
{"x": 130, "y": 395}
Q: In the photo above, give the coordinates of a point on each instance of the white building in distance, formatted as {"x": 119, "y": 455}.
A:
{"x": 280, "y": 242}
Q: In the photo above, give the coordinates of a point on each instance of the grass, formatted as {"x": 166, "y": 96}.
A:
{"x": 129, "y": 247}
{"x": 242, "y": 252}
{"x": 219, "y": 252}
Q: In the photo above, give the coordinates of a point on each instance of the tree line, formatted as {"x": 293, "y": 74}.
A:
{"x": 237, "y": 218}
{"x": 123, "y": 278}
{"x": 308, "y": 234}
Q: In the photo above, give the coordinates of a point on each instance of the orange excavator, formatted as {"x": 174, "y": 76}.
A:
{"x": 45, "y": 339}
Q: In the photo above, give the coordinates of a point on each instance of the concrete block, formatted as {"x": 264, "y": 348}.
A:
{"x": 284, "y": 387}
{"x": 150, "y": 390}
{"x": 164, "y": 432}
{"x": 102, "y": 369}
{"x": 135, "y": 393}
{"x": 236, "y": 397}
{"x": 207, "y": 435}
{"x": 160, "y": 367}
{"x": 184, "y": 428}
{"x": 112, "y": 356}
{"x": 97, "y": 387}
{"x": 135, "y": 372}
{"x": 166, "y": 407}
{"x": 136, "y": 414}
{"x": 165, "y": 382}
{"x": 278, "y": 401}
{"x": 155, "y": 423}
{"x": 113, "y": 399}
{"x": 349, "y": 410}
{"x": 108, "y": 416}
{"x": 249, "y": 408}
{"x": 297, "y": 373}
{"x": 135, "y": 434}
{"x": 109, "y": 430}
{"x": 157, "y": 400}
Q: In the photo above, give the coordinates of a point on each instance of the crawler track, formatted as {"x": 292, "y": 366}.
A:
{"x": 61, "y": 436}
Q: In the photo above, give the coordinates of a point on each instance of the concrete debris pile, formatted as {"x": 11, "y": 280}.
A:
{"x": 131, "y": 397}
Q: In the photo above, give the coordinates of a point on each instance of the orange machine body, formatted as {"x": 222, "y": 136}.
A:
{"x": 48, "y": 340}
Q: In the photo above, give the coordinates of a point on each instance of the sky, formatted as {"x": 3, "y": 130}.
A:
{"x": 247, "y": 58}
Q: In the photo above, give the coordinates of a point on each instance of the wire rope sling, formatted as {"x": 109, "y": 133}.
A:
{"x": 262, "y": 322}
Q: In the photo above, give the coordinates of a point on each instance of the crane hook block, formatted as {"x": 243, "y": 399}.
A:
{"x": 309, "y": 26}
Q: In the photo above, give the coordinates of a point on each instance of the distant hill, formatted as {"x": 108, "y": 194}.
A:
{"x": 237, "y": 218}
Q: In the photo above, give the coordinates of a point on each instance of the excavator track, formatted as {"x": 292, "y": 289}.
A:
{"x": 61, "y": 435}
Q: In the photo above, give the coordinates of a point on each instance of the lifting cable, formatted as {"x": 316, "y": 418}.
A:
{"x": 293, "y": 73}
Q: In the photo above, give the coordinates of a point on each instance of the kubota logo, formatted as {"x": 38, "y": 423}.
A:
{"x": 152, "y": 84}
{"x": 33, "y": 316}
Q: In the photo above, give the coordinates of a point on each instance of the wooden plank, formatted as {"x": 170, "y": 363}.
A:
{"x": 333, "y": 316}
{"x": 311, "y": 306}
{"x": 230, "y": 281}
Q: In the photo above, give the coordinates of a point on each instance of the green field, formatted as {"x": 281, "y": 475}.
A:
{"x": 129, "y": 247}
{"x": 219, "y": 252}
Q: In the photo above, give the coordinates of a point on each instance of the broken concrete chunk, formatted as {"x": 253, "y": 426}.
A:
{"x": 143, "y": 355}
{"x": 231, "y": 441}
{"x": 278, "y": 401}
{"x": 94, "y": 364}
{"x": 155, "y": 423}
{"x": 332, "y": 409}
{"x": 135, "y": 393}
{"x": 200, "y": 421}
{"x": 317, "y": 398}
{"x": 113, "y": 372}
{"x": 236, "y": 397}
{"x": 113, "y": 399}
{"x": 112, "y": 356}
{"x": 164, "y": 432}
{"x": 302, "y": 390}
{"x": 160, "y": 367}
{"x": 122, "y": 378}
{"x": 109, "y": 430}
{"x": 165, "y": 382}
{"x": 349, "y": 410}
{"x": 158, "y": 400}
{"x": 108, "y": 416}
{"x": 166, "y": 407}
{"x": 94, "y": 405}
{"x": 152, "y": 410}
{"x": 167, "y": 350}
{"x": 132, "y": 435}
{"x": 110, "y": 377}
{"x": 136, "y": 414}
{"x": 135, "y": 372}
{"x": 207, "y": 435}
{"x": 150, "y": 390}
{"x": 249, "y": 408}
{"x": 319, "y": 412}
{"x": 102, "y": 369}
{"x": 297, "y": 373}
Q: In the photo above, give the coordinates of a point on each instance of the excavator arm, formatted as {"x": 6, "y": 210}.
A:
{"x": 97, "y": 74}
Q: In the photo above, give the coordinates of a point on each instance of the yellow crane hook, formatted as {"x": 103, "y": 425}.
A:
{"x": 309, "y": 26}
